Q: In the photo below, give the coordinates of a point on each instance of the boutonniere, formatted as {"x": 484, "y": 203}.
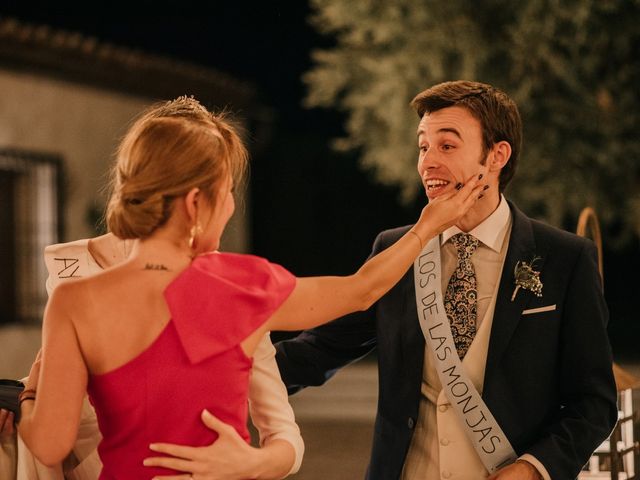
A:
{"x": 527, "y": 278}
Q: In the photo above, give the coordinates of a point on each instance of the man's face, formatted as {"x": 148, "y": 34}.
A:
{"x": 450, "y": 143}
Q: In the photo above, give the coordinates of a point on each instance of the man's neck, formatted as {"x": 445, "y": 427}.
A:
{"x": 479, "y": 213}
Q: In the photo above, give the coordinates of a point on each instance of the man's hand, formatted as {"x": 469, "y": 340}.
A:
{"x": 520, "y": 470}
{"x": 229, "y": 457}
{"x": 7, "y": 427}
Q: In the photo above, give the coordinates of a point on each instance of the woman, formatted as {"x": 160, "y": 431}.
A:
{"x": 271, "y": 414}
{"x": 282, "y": 447}
{"x": 145, "y": 336}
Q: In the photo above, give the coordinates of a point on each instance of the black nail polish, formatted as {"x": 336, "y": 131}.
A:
{"x": 480, "y": 196}
{"x": 458, "y": 186}
{"x": 485, "y": 187}
{"x": 480, "y": 176}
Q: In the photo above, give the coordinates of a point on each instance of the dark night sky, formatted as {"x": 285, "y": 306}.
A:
{"x": 313, "y": 210}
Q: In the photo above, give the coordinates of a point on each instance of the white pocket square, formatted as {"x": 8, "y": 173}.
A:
{"x": 548, "y": 308}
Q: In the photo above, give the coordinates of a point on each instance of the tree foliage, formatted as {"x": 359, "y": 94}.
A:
{"x": 573, "y": 67}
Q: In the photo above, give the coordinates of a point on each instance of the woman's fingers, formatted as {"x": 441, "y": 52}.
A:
{"x": 469, "y": 186}
{"x": 470, "y": 192}
{"x": 473, "y": 197}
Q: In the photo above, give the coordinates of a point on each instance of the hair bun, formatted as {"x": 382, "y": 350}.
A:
{"x": 135, "y": 217}
{"x": 171, "y": 149}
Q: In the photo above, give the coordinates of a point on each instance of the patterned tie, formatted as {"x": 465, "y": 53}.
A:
{"x": 461, "y": 297}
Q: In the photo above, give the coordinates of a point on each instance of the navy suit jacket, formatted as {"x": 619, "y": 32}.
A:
{"x": 548, "y": 378}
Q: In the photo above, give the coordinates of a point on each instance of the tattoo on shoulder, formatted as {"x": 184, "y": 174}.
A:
{"x": 155, "y": 266}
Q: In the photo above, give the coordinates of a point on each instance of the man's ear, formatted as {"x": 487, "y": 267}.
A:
{"x": 191, "y": 205}
{"x": 500, "y": 155}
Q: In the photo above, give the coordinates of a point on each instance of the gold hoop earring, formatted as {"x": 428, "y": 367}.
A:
{"x": 193, "y": 234}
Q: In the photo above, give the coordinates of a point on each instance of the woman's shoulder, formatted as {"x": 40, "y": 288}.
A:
{"x": 68, "y": 296}
{"x": 236, "y": 267}
{"x": 217, "y": 259}
{"x": 223, "y": 297}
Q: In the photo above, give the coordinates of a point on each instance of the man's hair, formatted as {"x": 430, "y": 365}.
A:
{"x": 497, "y": 113}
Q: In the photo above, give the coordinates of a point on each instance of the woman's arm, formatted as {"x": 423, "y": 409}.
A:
{"x": 317, "y": 300}
{"x": 49, "y": 424}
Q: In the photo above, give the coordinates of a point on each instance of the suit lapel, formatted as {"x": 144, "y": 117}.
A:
{"x": 522, "y": 247}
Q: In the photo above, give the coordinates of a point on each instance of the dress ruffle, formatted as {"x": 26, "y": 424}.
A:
{"x": 221, "y": 298}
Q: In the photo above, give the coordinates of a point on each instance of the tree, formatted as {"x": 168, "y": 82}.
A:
{"x": 573, "y": 67}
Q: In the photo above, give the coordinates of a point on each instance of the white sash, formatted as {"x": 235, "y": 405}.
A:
{"x": 488, "y": 439}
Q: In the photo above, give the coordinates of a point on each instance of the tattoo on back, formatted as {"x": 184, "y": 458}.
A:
{"x": 155, "y": 266}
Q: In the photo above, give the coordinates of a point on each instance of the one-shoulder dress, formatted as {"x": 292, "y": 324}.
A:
{"x": 196, "y": 362}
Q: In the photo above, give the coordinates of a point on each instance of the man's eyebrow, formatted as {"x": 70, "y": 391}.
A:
{"x": 443, "y": 130}
{"x": 450, "y": 130}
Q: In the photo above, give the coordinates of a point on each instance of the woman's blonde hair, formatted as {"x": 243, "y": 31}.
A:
{"x": 170, "y": 149}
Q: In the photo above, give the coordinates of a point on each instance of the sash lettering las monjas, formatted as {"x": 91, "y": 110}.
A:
{"x": 488, "y": 439}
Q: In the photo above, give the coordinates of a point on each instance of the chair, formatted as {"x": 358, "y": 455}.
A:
{"x": 618, "y": 458}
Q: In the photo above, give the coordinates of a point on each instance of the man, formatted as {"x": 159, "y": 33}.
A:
{"x": 535, "y": 346}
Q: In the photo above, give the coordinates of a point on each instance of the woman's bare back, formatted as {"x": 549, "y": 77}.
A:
{"x": 118, "y": 313}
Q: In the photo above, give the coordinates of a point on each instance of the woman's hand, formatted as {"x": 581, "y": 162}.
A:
{"x": 229, "y": 457}
{"x": 445, "y": 210}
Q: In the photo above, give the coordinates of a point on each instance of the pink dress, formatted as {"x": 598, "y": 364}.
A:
{"x": 195, "y": 363}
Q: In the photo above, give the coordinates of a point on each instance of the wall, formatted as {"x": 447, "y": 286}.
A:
{"x": 83, "y": 125}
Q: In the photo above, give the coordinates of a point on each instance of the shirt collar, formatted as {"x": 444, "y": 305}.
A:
{"x": 490, "y": 231}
